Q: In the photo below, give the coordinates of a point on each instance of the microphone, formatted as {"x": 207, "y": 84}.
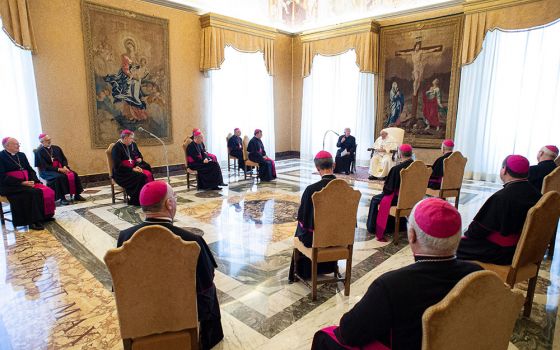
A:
{"x": 164, "y": 150}
{"x": 324, "y": 136}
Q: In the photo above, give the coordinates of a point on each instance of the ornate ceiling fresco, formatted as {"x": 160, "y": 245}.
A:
{"x": 298, "y": 15}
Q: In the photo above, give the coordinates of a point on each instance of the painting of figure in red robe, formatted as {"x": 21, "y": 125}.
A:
{"x": 128, "y": 74}
{"x": 419, "y": 85}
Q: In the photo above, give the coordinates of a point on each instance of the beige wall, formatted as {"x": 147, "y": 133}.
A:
{"x": 61, "y": 80}
{"x": 297, "y": 91}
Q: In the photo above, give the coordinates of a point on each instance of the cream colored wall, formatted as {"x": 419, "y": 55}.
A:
{"x": 61, "y": 80}
{"x": 297, "y": 92}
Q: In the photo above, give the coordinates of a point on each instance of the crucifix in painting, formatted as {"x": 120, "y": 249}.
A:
{"x": 418, "y": 55}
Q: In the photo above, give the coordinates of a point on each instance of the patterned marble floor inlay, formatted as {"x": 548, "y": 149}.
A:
{"x": 55, "y": 290}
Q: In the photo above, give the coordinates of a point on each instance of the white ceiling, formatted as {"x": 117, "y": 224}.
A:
{"x": 298, "y": 15}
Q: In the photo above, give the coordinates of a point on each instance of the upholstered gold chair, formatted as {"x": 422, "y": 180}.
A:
{"x": 154, "y": 279}
{"x": 480, "y": 298}
{"x": 110, "y": 166}
{"x": 453, "y": 171}
{"x": 551, "y": 182}
{"x": 335, "y": 210}
{"x": 248, "y": 162}
{"x": 230, "y": 157}
{"x": 395, "y": 133}
{"x": 412, "y": 189}
{"x": 3, "y": 200}
{"x": 190, "y": 172}
{"x": 538, "y": 228}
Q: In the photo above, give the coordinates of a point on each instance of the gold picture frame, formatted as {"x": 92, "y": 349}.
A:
{"x": 128, "y": 76}
{"x": 419, "y": 79}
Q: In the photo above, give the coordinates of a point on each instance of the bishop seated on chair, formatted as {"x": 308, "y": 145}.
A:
{"x": 389, "y": 316}
{"x": 53, "y": 167}
{"x": 437, "y": 167}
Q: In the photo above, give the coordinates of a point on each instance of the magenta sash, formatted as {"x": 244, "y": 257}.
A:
{"x": 48, "y": 194}
{"x": 373, "y": 346}
{"x": 214, "y": 158}
{"x": 190, "y": 160}
{"x": 70, "y": 176}
{"x": 128, "y": 164}
{"x": 149, "y": 176}
{"x": 503, "y": 241}
{"x": 383, "y": 215}
{"x": 436, "y": 180}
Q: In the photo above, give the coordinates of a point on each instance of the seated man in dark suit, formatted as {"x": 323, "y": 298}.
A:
{"x": 537, "y": 173}
{"x": 390, "y": 313}
{"x": 159, "y": 203}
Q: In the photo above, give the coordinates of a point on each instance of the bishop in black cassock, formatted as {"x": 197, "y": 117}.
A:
{"x": 159, "y": 204}
{"x": 53, "y": 167}
{"x": 546, "y": 165}
{"x": 494, "y": 232}
{"x": 257, "y": 154}
{"x": 346, "y": 152}
{"x": 390, "y": 313}
{"x": 209, "y": 173}
{"x": 380, "y": 205}
{"x": 437, "y": 167}
{"x": 130, "y": 170}
{"x": 305, "y": 218}
{"x": 31, "y": 202}
{"x": 235, "y": 148}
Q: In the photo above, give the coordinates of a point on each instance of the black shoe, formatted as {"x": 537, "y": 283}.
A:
{"x": 222, "y": 184}
{"x": 347, "y": 173}
{"x": 64, "y": 202}
{"x": 216, "y": 188}
{"x": 371, "y": 177}
{"x": 37, "y": 226}
{"x": 79, "y": 198}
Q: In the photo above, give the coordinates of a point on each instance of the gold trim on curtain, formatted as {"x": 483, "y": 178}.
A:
{"x": 362, "y": 36}
{"x": 220, "y": 31}
{"x": 17, "y": 23}
{"x": 481, "y": 17}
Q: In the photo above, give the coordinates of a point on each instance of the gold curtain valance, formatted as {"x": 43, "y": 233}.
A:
{"x": 16, "y": 22}
{"x": 219, "y": 32}
{"x": 482, "y": 16}
{"x": 361, "y": 36}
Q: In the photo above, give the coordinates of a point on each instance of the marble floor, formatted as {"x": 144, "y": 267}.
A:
{"x": 55, "y": 291}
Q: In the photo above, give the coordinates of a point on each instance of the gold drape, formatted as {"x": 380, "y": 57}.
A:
{"x": 525, "y": 14}
{"x": 219, "y": 32}
{"x": 16, "y": 22}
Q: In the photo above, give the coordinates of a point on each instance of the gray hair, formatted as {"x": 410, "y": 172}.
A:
{"x": 323, "y": 163}
{"x": 439, "y": 245}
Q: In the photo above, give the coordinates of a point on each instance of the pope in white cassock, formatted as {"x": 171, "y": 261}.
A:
{"x": 382, "y": 160}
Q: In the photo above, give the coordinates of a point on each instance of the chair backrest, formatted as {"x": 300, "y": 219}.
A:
{"x": 229, "y": 135}
{"x": 397, "y": 134}
{"x": 480, "y": 298}
{"x": 245, "y": 144}
{"x": 551, "y": 182}
{"x": 335, "y": 210}
{"x": 154, "y": 278}
{"x": 538, "y": 229}
{"x": 110, "y": 165}
{"x": 186, "y": 142}
{"x": 453, "y": 171}
{"x": 414, "y": 180}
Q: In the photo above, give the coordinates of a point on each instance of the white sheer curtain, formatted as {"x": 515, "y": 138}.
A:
{"x": 510, "y": 99}
{"x": 18, "y": 96}
{"x": 239, "y": 94}
{"x": 335, "y": 96}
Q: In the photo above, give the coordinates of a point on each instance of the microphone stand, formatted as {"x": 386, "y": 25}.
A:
{"x": 326, "y": 132}
{"x": 164, "y": 150}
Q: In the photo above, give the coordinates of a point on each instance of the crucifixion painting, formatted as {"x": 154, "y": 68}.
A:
{"x": 418, "y": 57}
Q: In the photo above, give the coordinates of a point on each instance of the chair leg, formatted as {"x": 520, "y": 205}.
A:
{"x": 348, "y": 274}
{"x": 293, "y": 272}
{"x": 314, "y": 275}
{"x": 112, "y": 192}
{"x": 127, "y": 344}
{"x": 530, "y": 295}
{"x": 552, "y": 244}
{"x": 188, "y": 181}
{"x": 457, "y": 201}
{"x": 397, "y": 227}
{"x": 2, "y": 220}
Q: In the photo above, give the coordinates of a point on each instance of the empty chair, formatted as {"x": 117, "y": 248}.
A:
{"x": 478, "y": 299}
{"x": 154, "y": 279}
{"x": 551, "y": 182}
